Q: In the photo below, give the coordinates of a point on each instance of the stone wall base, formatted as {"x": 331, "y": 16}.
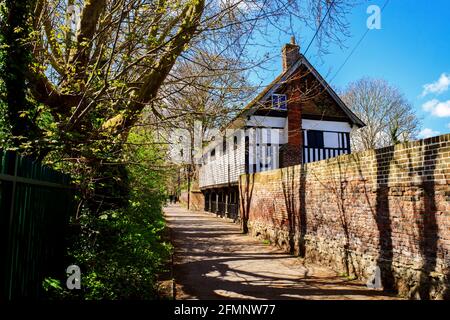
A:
{"x": 405, "y": 280}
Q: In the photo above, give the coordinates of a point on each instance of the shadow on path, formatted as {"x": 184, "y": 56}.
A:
{"x": 214, "y": 260}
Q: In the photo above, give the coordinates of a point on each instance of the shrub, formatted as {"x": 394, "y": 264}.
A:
{"x": 121, "y": 251}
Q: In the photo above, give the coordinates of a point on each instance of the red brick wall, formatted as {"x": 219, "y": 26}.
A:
{"x": 388, "y": 207}
{"x": 197, "y": 200}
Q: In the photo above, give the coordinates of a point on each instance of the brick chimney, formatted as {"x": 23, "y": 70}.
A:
{"x": 290, "y": 54}
{"x": 291, "y": 152}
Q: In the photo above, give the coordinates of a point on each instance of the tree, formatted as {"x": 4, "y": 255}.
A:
{"x": 205, "y": 99}
{"x": 97, "y": 67}
{"x": 389, "y": 117}
{"x": 116, "y": 58}
{"x": 98, "y": 64}
{"x": 18, "y": 128}
{"x": 199, "y": 100}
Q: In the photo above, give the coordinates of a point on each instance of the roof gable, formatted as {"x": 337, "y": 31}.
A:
{"x": 283, "y": 78}
{"x": 353, "y": 117}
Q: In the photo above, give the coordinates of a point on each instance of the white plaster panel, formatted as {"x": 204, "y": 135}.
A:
{"x": 331, "y": 139}
{"x": 326, "y": 125}
{"x": 262, "y": 121}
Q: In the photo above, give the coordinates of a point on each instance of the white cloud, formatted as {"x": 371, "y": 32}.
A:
{"x": 440, "y": 86}
{"x": 430, "y": 105}
{"x": 437, "y": 108}
{"x": 427, "y": 132}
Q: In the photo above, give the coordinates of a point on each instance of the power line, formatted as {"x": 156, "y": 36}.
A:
{"x": 356, "y": 46}
{"x": 318, "y": 28}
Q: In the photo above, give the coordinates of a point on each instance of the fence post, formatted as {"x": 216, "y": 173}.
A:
{"x": 13, "y": 194}
{"x": 10, "y": 225}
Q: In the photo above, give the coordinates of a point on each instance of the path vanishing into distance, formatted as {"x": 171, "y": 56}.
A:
{"x": 214, "y": 260}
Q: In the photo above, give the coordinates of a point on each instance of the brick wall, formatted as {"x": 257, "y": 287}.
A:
{"x": 197, "y": 200}
{"x": 388, "y": 207}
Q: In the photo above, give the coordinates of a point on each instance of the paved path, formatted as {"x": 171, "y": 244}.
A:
{"x": 214, "y": 260}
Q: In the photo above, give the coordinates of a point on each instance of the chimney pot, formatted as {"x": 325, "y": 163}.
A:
{"x": 290, "y": 53}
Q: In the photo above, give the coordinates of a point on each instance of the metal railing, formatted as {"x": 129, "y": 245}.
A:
{"x": 317, "y": 154}
{"x": 232, "y": 210}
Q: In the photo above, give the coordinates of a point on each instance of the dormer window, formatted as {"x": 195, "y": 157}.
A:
{"x": 279, "y": 101}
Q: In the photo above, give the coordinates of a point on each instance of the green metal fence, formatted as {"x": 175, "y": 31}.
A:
{"x": 35, "y": 205}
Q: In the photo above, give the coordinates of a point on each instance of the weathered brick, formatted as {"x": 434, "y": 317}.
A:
{"x": 367, "y": 204}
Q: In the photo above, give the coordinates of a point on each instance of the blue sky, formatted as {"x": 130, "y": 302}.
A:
{"x": 410, "y": 51}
